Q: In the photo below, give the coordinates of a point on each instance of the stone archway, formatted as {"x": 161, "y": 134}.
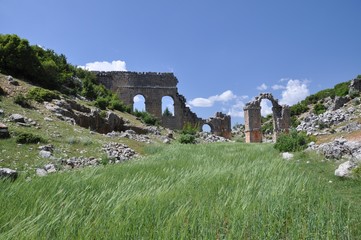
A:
{"x": 252, "y": 118}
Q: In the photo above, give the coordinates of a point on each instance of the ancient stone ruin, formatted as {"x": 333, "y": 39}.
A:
{"x": 153, "y": 87}
{"x": 252, "y": 118}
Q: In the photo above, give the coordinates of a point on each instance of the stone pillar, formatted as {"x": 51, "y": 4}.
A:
{"x": 153, "y": 105}
{"x": 252, "y": 122}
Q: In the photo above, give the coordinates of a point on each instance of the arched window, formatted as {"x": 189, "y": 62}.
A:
{"x": 206, "y": 128}
{"x": 139, "y": 103}
{"x": 167, "y": 106}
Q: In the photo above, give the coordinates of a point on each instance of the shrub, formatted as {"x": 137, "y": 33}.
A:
{"x": 341, "y": 89}
{"x": 28, "y": 138}
{"x": 146, "y": 117}
{"x": 101, "y": 103}
{"x": 188, "y": 128}
{"x": 319, "y": 108}
{"x": 187, "y": 139}
{"x": 40, "y": 94}
{"x": 22, "y": 101}
{"x": 298, "y": 108}
{"x": 292, "y": 142}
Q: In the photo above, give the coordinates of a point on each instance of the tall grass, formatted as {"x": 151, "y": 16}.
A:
{"x": 214, "y": 191}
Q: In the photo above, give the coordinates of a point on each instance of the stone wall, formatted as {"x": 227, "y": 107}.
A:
{"x": 220, "y": 125}
{"x": 153, "y": 87}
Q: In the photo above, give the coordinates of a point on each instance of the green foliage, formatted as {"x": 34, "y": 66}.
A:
{"x": 267, "y": 127}
{"x": 40, "y": 94}
{"x": 21, "y": 100}
{"x": 291, "y": 142}
{"x": 341, "y": 89}
{"x": 187, "y": 139}
{"x": 167, "y": 113}
{"x": 295, "y": 121}
{"x": 299, "y": 108}
{"x": 319, "y": 108}
{"x": 29, "y": 138}
{"x": 146, "y": 117}
{"x": 189, "y": 128}
{"x": 101, "y": 103}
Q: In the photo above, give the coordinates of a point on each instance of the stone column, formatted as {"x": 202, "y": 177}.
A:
{"x": 252, "y": 122}
{"x": 153, "y": 105}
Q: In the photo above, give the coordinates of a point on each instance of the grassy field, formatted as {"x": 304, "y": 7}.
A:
{"x": 213, "y": 191}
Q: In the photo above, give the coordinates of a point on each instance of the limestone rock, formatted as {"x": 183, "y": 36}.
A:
{"x": 287, "y": 155}
{"x": 345, "y": 169}
{"x": 8, "y": 173}
{"x": 50, "y": 168}
{"x": 41, "y": 172}
{"x": 4, "y": 132}
{"x": 17, "y": 118}
{"x": 45, "y": 154}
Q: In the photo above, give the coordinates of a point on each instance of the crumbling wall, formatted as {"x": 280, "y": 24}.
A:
{"x": 252, "y": 118}
{"x": 153, "y": 87}
{"x": 220, "y": 125}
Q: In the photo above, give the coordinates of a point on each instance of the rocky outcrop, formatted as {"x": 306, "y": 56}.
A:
{"x": 341, "y": 149}
{"x": 205, "y": 137}
{"x": 92, "y": 119}
{"x": 118, "y": 152}
{"x": 320, "y": 124}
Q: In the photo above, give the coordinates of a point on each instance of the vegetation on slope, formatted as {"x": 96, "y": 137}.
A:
{"x": 222, "y": 191}
{"x": 50, "y": 70}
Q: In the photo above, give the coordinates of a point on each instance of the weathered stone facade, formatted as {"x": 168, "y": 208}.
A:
{"x": 153, "y": 87}
{"x": 220, "y": 125}
{"x": 252, "y": 118}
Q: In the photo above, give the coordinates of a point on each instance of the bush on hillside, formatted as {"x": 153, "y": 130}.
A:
{"x": 146, "y": 117}
{"x": 188, "y": 128}
{"x": 22, "y": 101}
{"x": 187, "y": 139}
{"x": 40, "y": 94}
{"x": 292, "y": 142}
{"x": 298, "y": 109}
{"x": 29, "y": 138}
{"x": 342, "y": 89}
{"x": 319, "y": 108}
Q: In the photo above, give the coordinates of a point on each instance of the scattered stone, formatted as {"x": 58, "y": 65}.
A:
{"x": 17, "y": 118}
{"x": 41, "y": 172}
{"x": 118, "y": 152}
{"x": 4, "y": 131}
{"x": 50, "y": 168}
{"x": 207, "y": 137}
{"x": 166, "y": 141}
{"x": 7, "y": 173}
{"x": 48, "y": 119}
{"x": 287, "y": 156}
{"x": 80, "y": 162}
{"x": 48, "y": 148}
{"x": 45, "y": 154}
{"x": 345, "y": 169}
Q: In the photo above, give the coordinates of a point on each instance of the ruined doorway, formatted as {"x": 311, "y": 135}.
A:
{"x": 206, "y": 128}
{"x": 167, "y": 106}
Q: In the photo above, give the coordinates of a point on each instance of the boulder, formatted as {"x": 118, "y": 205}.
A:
{"x": 7, "y": 173}
{"x": 4, "y": 132}
{"x": 50, "y": 168}
{"x": 45, "y": 154}
{"x": 17, "y": 118}
{"x": 345, "y": 169}
{"x": 287, "y": 156}
{"x": 41, "y": 172}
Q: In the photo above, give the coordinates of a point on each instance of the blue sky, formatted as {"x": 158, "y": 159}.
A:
{"x": 222, "y": 52}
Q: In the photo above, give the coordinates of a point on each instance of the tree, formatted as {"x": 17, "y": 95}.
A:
{"x": 167, "y": 113}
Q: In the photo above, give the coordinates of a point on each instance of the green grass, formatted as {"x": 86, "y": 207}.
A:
{"x": 213, "y": 191}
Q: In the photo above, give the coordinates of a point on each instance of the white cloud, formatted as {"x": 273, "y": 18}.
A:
{"x": 237, "y": 109}
{"x": 262, "y": 87}
{"x": 117, "y": 65}
{"x": 278, "y": 87}
{"x": 265, "y": 107}
{"x": 209, "y": 102}
{"x": 294, "y": 92}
